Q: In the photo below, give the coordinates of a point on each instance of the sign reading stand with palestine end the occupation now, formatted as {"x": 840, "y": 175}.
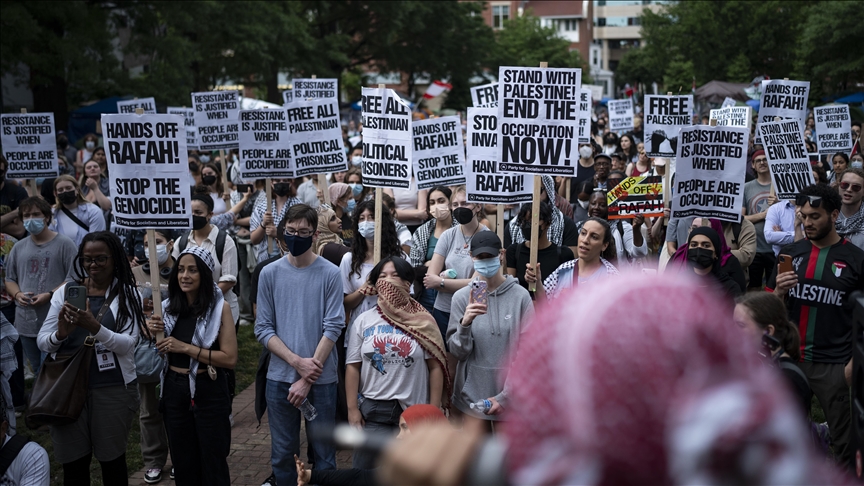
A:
{"x": 787, "y": 157}
{"x": 439, "y": 157}
{"x": 264, "y": 146}
{"x": 485, "y": 183}
{"x": 29, "y": 145}
{"x": 148, "y": 171}
{"x": 216, "y": 114}
{"x": 316, "y": 137}
{"x": 387, "y": 139}
{"x": 538, "y": 120}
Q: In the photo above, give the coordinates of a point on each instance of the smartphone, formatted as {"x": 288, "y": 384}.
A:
{"x": 769, "y": 345}
{"x": 77, "y": 296}
{"x": 243, "y": 188}
{"x": 479, "y": 292}
{"x": 784, "y": 264}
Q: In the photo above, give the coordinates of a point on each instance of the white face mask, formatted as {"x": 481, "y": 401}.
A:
{"x": 90, "y": 144}
{"x": 367, "y": 229}
{"x": 586, "y": 152}
{"x": 583, "y": 204}
{"x": 357, "y": 159}
{"x": 161, "y": 253}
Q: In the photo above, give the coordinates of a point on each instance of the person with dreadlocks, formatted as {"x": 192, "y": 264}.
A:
{"x": 112, "y": 315}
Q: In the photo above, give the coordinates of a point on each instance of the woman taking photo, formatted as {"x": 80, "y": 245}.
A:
{"x": 594, "y": 257}
{"x": 112, "y": 316}
{"x": 74, "y": 217}
{"x": 200, "y": 344}
{"x": 713, "y": 267}
{"x": 427, "y": 235}
{"x": 395, "y": 355}
{"x": 94, "y": 185}
{"x": 211, "y": 176}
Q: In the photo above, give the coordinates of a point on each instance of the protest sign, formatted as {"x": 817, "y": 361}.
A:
{"x": 664, "y": 116}
{"x": 787, "y": 157}
{"x": 315, "y": 88}
{"x": 216, "y": 115}
{"x": 387, "y": 139}
{"x": 438, "y": 153}
{"x": 596, "y": 91}
{"x": 710, "y": 169}
{"x": 188, "y": 115}
{"x": 732, "y": 116}
{"x": 485, "y": 183}
{"x": 584, "y": 116}
{"x": 148, "y": 171}
{"x": 538, "y": 120}
{"x": 288, "y": 96}
{"x": 264, "y": 146}
{"x": 728, "y": 102}
{"x": 636, "y": 195}
{"x": 485, "y": 95}
{"x": 129, "y": 106}
{"x": 782, "y": 98}
{"x": 620, "y": 115}
{"x": 316, "y": 137}
{"x": 29, "y": 145}
{"x": 833, "y": 129}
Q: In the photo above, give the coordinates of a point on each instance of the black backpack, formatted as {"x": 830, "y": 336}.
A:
{"x": 10, "y": 451}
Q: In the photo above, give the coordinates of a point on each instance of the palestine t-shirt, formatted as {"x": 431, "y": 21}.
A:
{"x": 820, "y": 302}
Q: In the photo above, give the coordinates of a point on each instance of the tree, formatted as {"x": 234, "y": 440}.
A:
{"x": 637, "y": 67}
{"x": 524, "y": 42}
{"x": 829, "y": 51}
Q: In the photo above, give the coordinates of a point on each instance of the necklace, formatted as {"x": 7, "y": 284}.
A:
{"x": 467, "y": 241}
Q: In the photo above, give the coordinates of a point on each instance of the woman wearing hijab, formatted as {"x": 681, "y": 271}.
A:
{"x": 712, "y": 266}
{"x": 329, "y": 243}
{"x": 200, "y": 344}
{"x": 594, "y": 257}
{"x": 343, "y": 204}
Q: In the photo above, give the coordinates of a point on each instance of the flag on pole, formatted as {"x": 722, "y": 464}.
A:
{"x": 436, "y": 88}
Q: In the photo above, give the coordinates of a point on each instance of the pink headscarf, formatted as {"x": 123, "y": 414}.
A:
{"x": 337, "y": 192}
{"x": 675, "y": 396}
{"x": 679, "y": 258}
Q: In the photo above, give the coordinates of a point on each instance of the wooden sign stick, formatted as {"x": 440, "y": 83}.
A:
{"x": 379, "y": 199}
{"x": 499, "y": 223}
{"x": 535, "y": 217}
{"x": 224, "y": 166}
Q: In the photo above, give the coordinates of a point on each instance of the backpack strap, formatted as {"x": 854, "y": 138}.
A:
{"x": 184, "y": 240}
{"x": 75, "y": 218}
{"x": 786, "y": 365}
{"x": 220, "y": 244}
{"x": 10, "y": 451}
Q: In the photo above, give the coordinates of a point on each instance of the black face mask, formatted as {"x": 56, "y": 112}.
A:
{"x": 282, "y": 189}
{"x": 463, "y": 215}
{"x": 198, "y": 222}
{"x": 193, "y": 166}
{"x": 208, "y": 180}
{"x": 67, "y": 197}
{"x": 297, "y": 245}
{"x": 63, "y": 143}
{"x": 526, "y": 230}
{"x": 701, "y": 257}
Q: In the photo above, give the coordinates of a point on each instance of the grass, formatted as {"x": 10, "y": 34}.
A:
{"x": 248, "y": 351}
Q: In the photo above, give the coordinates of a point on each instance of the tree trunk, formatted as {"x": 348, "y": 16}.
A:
{"x": 272, "y": 84}
{"x": 51, "y": 98}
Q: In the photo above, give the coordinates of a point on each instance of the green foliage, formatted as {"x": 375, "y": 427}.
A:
{"x": 739, "y": 70}
{"x": 830, "y": 46}
{"x": 679, "y": 76}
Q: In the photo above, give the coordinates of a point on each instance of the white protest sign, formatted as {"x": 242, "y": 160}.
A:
{"x": 782, "y": 98}
{"x": 288, "y": 96}
{"x": 316, "y": 137}
{"x": 264, "y": 145}
{"x": 29, "y": 145}
{"x": 584, "y": 116}
{"x": 438, "y": 153}
{"x": 129, "y": 106}
{"x": 538, "y": 120}
{"x": 216, "y": 115}
{"x": 710, "y": 171}
{"x": 188, "y": 115}
{"x": 485, "y": 95}
{"x": 728, "y": 102}
{"x": 620, "y": 115}
{"x": 664, "y": 116}
{"x": 148, "y": 171}
{"x": 732, "y": 116}
{"x": 596, "y": 91}
{"x": 787, "y": 157}
{"x": 485, "y": 183}
{"x": 315, "y": 88}
{"x": 387, "y": 139}
{"x": 833, "y": 129}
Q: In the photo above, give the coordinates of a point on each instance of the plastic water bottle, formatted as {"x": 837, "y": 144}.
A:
{"x": 482, "y": 406}
{"x": 450, "y": 273}
{"x": 309, "y": 412}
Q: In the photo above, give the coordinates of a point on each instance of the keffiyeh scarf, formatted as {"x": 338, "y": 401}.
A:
{"x": 555, "y": 233}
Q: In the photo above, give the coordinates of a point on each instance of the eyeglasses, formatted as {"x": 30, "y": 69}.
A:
{"x": 815, "y": 201}
{"x": 300, "y": 233}
{"x": 760, "y": 161}
{"x": 847, "y": 185}
{"x": 99, "y": 261}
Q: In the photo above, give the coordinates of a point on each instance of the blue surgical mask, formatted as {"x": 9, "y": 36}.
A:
{"x": 356, "y": 188}
{"x": 204, "y": 158}
{"x": 487, "y": 267}
{"x": 34, "y": 226}
{"x": 39, "y": 181}
{"x": 357, "y": 160}
{"x": 351, "y": 205}
{"x": 857, "y": 164}
{"x": 367, "y": 229}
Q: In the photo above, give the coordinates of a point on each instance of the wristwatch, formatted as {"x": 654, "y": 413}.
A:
{"x": 441, "y": 284}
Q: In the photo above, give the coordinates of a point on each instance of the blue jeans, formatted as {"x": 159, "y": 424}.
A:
{"x": 427, "y": 299}
{"x": 33, "y": 353}
{"x": 285, "y": 429}
{"x": 443, "y": 320}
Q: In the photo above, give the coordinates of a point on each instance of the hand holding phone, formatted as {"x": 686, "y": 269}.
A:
{"x": 784, "y": 264}
{"x": 77, "y": 295}
{"x": 479, "y": 292}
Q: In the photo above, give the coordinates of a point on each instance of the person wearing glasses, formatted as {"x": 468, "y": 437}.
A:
{"x": 850, "y": 221}
{"x": 826, "y": 270}
{"x": 757, "y": 200}
{"x": 112, "y": 316}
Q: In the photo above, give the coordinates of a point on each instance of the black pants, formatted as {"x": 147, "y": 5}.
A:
{"x": 762, "y": 266}
{"x": 199, "y": 436}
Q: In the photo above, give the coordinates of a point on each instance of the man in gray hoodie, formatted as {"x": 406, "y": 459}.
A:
{"x": 481, "y": 334}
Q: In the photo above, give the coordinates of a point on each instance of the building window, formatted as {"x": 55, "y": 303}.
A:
{"x": 566, "y": 25}
{"x": 500, "y": 13}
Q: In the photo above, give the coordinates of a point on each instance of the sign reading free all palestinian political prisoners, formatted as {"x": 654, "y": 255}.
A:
{"x": 438, "y": 153}
{"x": 787, "y": 157}
{"x": 316, "y": 137}
{"x": 264, "y": 146}
{"x": 485, "y": 95}
{"x": 620, "y": 115}
{"x": 538, "y": 120}
{"x": 636, "y": 195}
{"x": 664, "y": 116}
{"x": 148, "y": 170}
{"x": 188, "y": 115}
{"x": 314, "y": 88}
{"x": 833, "y": 129}
{"x": 387, "y": 139}
{"x": 216, "y": 115}
{"x": 485, "y": 183}
{"x": 710, "y": 171}
{"x": 129, "y": 106}
{"x": 29, "y": 145}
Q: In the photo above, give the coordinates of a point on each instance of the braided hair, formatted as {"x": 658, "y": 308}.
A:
{"x": 389, "y": 242}
{"x": 128, "y": 291}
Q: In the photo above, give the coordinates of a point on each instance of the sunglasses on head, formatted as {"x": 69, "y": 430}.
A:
{"x": 847, "y": 185}
{"x": 815, "y": 201}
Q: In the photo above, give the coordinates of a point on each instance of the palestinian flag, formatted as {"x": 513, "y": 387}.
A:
{"x": 837, "y": 268}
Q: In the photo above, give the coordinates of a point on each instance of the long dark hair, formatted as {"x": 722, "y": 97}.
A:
{"x": 628, "y": 153}
{"x": 403, "y": 269}
{"x": 765, "y": 309}
{"x": 610, "y": 253}
{"x": 178, "y": 305}
{"x": 128, "y": 289}
{"x": 389, "y": 242}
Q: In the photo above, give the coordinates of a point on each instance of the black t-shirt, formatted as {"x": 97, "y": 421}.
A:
{"x": 570, "y": 236}
{"x": 519, "y": 255}
{"x": 256, "y": 274}
{"x": 820, "y": 303}
{"x": 184, "y": 330}
{"x": 582, "y": 174}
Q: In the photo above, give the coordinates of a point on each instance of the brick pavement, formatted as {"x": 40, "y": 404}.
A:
{"x": 249, "y": 460}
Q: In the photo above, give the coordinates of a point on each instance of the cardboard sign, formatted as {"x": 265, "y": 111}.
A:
{"x": 387, "y": 139}
{"x": 438, "y": 153}
{"x": 264, "y": 147}
{"x": 733, "y": 116}
{"x": 485, "y": 183}
{"x": 485, "y": 95}
{"x": 29, "y": 145}
{"x": 538, "y": 120}
{"x": 315, "y": 88}
{"x": 664, "y": 116}
{"x": 620, "y": 115}
{"x": 787, "y": 157}
{"x": 833, "y": 129}
{"x": 288, "y": 96}
{"x": 711, "y": 165}
{"x": 148, "y": 171}
{"x": 216, "y": 115}
{"x": 728, "y": 102}
{"x": 636, "y": 195}
{"x": 129, "y": 106}
{"x": 584, "y": 116}
{"x": 316, "y": 137}
{"x": 188, "y": 115}
{"x": 782, "y": 98}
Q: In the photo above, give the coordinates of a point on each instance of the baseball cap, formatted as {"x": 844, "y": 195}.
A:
{"x": 485, "y": 242}
{"x": 601, "y": 155}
